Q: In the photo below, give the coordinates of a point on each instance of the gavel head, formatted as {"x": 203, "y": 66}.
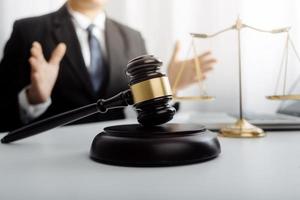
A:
{"x": 151, "y": 91}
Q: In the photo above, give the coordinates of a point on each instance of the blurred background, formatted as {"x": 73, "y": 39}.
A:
{"x": 163, "y": 22}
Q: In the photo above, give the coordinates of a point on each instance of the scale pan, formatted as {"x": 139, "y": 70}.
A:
{"x": 284, "y": 97}
{"x": 195, "y": 98}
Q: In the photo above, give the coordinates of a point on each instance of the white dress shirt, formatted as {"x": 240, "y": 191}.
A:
{"x": 81, "y": 22}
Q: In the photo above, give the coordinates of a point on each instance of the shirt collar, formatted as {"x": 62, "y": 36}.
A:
{"x": 83, "y": 21}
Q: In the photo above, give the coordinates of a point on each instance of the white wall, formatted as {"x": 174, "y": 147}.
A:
{"x": 263, "y": 52}
{"x": 163, "y": 21}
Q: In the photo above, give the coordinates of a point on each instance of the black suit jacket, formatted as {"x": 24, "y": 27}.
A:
{"x": 73, "y": 86}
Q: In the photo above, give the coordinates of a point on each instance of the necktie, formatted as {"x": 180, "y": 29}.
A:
{"x": 96, "y": 62}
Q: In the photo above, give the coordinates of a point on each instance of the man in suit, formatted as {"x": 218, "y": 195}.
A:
{"x": 64, "y": 60}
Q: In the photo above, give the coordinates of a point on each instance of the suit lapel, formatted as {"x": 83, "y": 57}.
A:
{"x": 64, "y": 31}
{"x": 116, "y": 58}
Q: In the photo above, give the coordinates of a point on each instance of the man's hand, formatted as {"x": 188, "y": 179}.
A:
{"x": 43, "y": 73}
{"x": 189, "y": 75}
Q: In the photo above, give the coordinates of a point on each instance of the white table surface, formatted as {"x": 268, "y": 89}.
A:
{"x": 55, "y": 165}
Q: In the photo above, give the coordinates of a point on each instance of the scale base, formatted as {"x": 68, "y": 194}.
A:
{"x": 165, "y": 145}
{"x": 242, "y": 129}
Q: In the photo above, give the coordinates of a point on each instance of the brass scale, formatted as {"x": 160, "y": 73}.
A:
{"x": 242, "y": 128}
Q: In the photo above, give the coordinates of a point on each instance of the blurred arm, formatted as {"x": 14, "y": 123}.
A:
{"x": 189, "y": 75}
{"x": 29, "y": 112}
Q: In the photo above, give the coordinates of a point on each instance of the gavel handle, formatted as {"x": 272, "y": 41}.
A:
{"x": 122, "y": 99}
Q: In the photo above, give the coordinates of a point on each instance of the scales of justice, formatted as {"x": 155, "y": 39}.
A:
{"x": 242, "y": 128}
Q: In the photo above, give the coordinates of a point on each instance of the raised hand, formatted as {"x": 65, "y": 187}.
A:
{"x": 189, "y": 75}
{"x": 43, "y": 73}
